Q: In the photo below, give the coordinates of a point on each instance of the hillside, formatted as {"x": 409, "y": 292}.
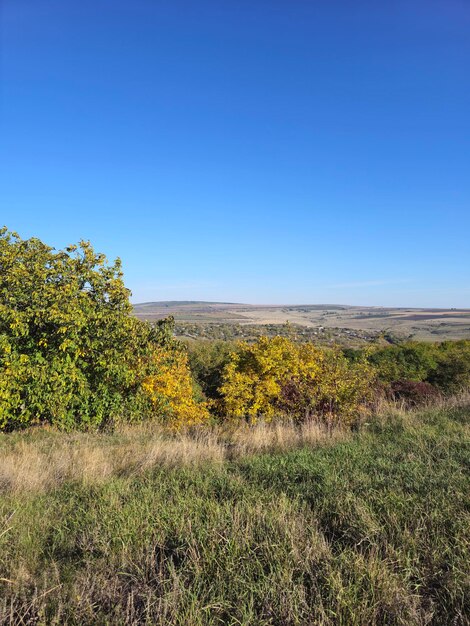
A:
{"x": 426, "y": 324}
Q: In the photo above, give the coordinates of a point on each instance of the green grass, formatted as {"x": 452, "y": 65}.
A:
{"x": 373, "y": 529}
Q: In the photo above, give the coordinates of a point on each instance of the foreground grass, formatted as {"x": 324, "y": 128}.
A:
{"x": 265, "y": 527}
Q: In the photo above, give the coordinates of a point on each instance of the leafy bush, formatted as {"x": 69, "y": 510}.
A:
{"x": 71, "y": 353}
{"x": 444, "y": 365}
{"x": 452, "y": 372}
{"x": 253, "y": 378}
{"x": 412, "y": 393}
{"x": 277, "y": 376}
{"x": 340, "y": 391}
{"x": 207, "y": 360}
{"x": 410, "y": 361}
{"x": 171, "y": 390}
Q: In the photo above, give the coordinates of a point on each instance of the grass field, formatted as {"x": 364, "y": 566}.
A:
{"x": 269, "y": 525}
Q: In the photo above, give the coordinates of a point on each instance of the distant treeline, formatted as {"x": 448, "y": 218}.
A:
{"x": 249, "y": 332}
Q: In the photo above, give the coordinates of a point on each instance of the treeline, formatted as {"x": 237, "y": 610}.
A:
{"x": 73, "y": 355}
{"x": 279, "y": 376}
{"x": 222, "y": 331}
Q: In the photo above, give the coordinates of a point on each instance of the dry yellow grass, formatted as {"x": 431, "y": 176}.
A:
{"x": 50, "y": 458}
{"x": 43, "y": 458}
{"x": 280, "y": 436}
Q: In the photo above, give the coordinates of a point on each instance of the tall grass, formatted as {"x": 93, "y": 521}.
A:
{"x": 269, "y": 525}
{"x": 42, "y": 459}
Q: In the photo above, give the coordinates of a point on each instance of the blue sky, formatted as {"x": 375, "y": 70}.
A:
{"x": 253, "y": 151}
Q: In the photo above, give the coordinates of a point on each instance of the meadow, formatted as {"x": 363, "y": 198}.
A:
{"x": 264, "y": 524}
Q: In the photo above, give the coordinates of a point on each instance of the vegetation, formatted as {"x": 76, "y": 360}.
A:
{"x": 171, "y": 390}
{"x": 208, "y": 360}
{"x": 223, "y": 331}
{"x": 262, "y": 485}
{"x": 143, "y": 527}
{"x": 445, "y": 365}
{"x": 412, "y": 393}
{"x": 71, "y": 352}
{"x": 73, "y": 355}
{"x": 278, "y": 376}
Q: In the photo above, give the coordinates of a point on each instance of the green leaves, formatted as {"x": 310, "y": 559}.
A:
{"x": 71, "y": 353}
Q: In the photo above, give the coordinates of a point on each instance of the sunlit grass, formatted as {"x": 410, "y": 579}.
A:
{"x": 270, "y": 525}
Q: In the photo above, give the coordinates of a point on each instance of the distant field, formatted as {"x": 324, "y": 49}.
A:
{"x": 423, "y": 324}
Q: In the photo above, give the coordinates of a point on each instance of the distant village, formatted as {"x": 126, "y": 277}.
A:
{"x": 250, "y": 332}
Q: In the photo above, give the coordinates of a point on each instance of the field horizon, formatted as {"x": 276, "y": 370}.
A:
{"x": 420, "y": 323}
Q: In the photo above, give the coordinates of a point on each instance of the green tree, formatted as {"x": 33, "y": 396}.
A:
{"x": 71, "y": 352}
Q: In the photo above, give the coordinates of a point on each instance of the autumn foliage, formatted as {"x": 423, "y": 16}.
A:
{"x": 276, "y": 376}
{"x": 73, "y": 355}
{"x": 171, "y": 390}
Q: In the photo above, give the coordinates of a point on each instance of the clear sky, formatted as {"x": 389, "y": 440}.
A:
{"x": 263, "y": 151}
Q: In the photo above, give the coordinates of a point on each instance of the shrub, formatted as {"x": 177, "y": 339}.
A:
{"x": 274, "y": 376}
{"x": 452, "y": 371}
{"x": 171, "y": 390}
{"x": 412, "y": 393}
{"x": 254, "y": 376}
{"x": 445, "y": 365}
{"x": 207, "y": 360}
{"x": 337, "y": 393}
{"x": 71, "y": 353}
{"x": 410, "y": 361}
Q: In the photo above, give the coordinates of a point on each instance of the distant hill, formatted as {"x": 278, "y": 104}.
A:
{"x": 171, "y": 303}
{"x": 431, "y": 324}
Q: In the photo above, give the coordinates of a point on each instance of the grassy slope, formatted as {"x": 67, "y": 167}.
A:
{"x": 372, "y": 529}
